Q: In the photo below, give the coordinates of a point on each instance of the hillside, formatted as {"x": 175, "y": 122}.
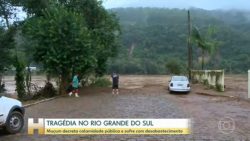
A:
{"x": 151, "y": 37}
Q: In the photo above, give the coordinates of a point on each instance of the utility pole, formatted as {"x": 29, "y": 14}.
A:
{"x": 190, "y": 66}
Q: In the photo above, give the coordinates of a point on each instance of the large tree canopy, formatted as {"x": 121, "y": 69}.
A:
{"x": 203, "y": 42}
{"x": 68, "y": 39}
{"x": 7, "y": 32}
{"x": 63, "y": 41}
{"x": 6, "y": 12}
{"x": 103, "y": 27}
{"x": 7, "y": 43}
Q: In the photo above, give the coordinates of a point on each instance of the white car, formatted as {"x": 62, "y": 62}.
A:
{"x": 179, "y": 84}
{"x": 11, "y": 115}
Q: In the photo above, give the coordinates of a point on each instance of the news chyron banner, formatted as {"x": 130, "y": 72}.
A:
{"x": 108, "y": 126}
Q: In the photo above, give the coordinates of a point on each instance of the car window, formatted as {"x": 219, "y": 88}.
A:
{"x": 179, "y": 78}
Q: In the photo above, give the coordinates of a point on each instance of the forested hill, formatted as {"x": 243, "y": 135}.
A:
{"x": 153, "y": 37}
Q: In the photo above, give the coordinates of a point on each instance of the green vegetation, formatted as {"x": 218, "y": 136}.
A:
{"x": 70, "y": 37}
{"x": 219, "y": 87}
{"x": 46, "y": 92}
{"x": 63, "y": 41}
{"x": 7, "y": 32}
{"x": 175, "y": 66}
{"x": 153, "y": 36}
{"x": 64, "y": 37}
{"x": 101, "y": 82}
{"x": 203, "y": 43}
{"x": 6, "y": 45}
{"x": 20, "y": 85}
{"x": 61, "y": 37}
{"x": 205, "y": 82}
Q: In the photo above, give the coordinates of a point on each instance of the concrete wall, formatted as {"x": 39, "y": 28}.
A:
{"x": 248, "y": 83}
{"x": 211, "y": 78}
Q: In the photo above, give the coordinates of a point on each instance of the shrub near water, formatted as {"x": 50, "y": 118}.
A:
{"x": 19, "y": 78}
{"x": 101, "y": 82}
{"x": 46, "y": 92}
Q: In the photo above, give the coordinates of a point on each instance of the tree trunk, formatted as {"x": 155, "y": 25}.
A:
{"x": 217, "y": 59}
{"x": 7, "y": 21}
{"x": 130, "y": 53}
{"x": 28, "y": 80}
{"x": 1, "y": 78}
{"x": 5, "y": 16}
{"x": 63, "y": 84}
{"x": 230, "y": 67}
{"x": 202, "y": 59}
{"x": 48, "y": 77}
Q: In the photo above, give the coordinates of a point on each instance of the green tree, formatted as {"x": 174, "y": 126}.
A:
{"x": 204, "y": 43}
{"x": 25, "y": 50}
{"x": 35, "y": 7}
{"x": 20, "y": 85}
{"x": 63, "y": 42}
{"x": 7, "y": 32}
{"x": 7, "y": 44}
{"x": 103, "y": 26}
{"x": 7, "y": 11}
{"x": 84, "y": 28}
{"x": 174, "y": 66}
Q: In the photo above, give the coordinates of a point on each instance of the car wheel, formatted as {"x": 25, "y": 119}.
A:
{"x": 14, "y": 123}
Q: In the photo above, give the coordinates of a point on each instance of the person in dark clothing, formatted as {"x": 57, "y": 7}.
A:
{"x": 115, "y": 83}
{"x": 70, "y": 89}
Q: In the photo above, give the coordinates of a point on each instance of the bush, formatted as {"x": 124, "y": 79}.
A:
{"x": 20, "y": 85}
{"x": 205, "y": 82}
{"x": 175, "y": 66}
{"x": 219, "y": 87}
{"x": 2, "y": 88}
{"x": 46, "y": 92}
{"x": 101, "y": 82}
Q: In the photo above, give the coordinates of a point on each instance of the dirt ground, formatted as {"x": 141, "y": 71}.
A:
{"x": 147, "y": 97}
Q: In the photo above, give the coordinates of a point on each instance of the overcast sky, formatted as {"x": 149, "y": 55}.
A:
{"x": 204, "y": 4}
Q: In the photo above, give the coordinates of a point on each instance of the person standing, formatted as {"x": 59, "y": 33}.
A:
{"x": 75, "y": 84}
{"x": 69, "y": 90}
{"x": 115, "y": 83}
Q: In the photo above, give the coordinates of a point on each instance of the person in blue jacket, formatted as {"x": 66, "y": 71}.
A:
{"x": 75, "y": 85}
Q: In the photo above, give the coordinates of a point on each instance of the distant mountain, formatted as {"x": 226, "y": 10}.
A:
{"x": 153, "y": 36}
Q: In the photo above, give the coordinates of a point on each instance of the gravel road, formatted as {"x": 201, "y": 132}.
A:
{"x": 150, "y": 101}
